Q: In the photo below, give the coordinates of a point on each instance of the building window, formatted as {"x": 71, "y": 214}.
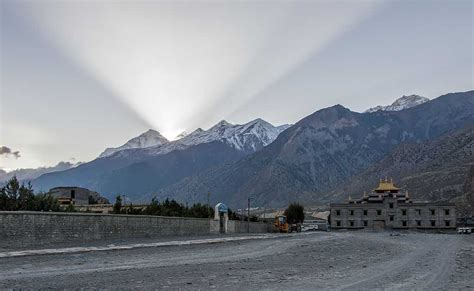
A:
{"x": 351, "y": 212}
{"x": 404, "y": 223}
{"x": 418, "y": 223}
{"x": 447, "y": 223}
{"x": 404, "y": 212}
{"x": 446, "y": 212}
{"x": 338, "y": 223}
{"x": 351, "y": 223}
{"x": 73, "y": 194}
{"x": 433, "y": 223}
{"x": 365, "y": 212}
{"x": 433, "y": 211}
{"x": 390, "y": 205}
{"x": 418, "y": 211}
{"x": 391, "y": 217}
{"x": 365, "y": 223}
{"x": 338, "y": 212}
{"x": 379, "y": 212}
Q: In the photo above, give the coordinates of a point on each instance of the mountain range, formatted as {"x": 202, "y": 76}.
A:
{"x": 401, "y": 103}
{"x": 432, "y": 170}
{"x": 26, "y": 175}
{"x": 323, "y": 151}
{"x": 134, "y": 170}
{"x": 317, "y": 160}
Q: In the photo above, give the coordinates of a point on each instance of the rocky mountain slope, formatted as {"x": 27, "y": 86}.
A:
{"x": 147, "y": 139}
{"x": 160, "y": 160}
{"x": 139, "y": 181}
{"x": 433, "y": 170}
{"x": 401, "y": 103}
{"x": 322, "y": 152}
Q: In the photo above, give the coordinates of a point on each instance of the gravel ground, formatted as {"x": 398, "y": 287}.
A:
{"x": 337, "y": 260}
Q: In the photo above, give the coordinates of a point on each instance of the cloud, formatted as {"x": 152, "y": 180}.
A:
{"x": 174, "y": 63}
{"x": 33, "y": 173}
{"x": 6, "y": 151}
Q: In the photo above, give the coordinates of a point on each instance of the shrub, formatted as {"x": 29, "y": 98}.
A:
{"x": 295, "y": 213}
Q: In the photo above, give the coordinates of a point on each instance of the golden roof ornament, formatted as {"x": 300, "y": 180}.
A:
{"x": 386, "y": 185}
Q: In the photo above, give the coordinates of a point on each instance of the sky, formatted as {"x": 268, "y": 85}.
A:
{"x": 79, "y": 76}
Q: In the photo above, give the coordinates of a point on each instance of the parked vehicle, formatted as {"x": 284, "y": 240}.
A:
{"x": 309, "y": 227}
{"x": 281, "y": 223}
{"x": 464, "y": 230}
{"x": 295, "y": 227}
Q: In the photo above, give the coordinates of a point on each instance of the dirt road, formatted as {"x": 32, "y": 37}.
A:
{"x": 353, "y": 260}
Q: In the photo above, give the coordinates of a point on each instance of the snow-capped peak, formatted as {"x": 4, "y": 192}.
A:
{"x": 181, "y": 135}
{"x": 248, "y": 137}
{"x": 401, "y": 103}
{"x": 150, "y": 138}
{"x": 283, "y": 127}
{"x": 221, "y": 124}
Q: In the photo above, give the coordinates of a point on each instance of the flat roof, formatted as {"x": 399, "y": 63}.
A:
{"x": 358, "y": 205}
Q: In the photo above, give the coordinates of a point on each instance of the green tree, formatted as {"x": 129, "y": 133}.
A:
{"x": 17, "y": 197}
{"x": 14, "y": 196}
{"x": 70, "y": 208}
{"x": 154, "y": 208}
{"x": 10, "y": 195}
{"x": 200, "y": 211}
{"x": 26, "y": 197}
{"x": 172, "y": 208}
{"x": 46, "y": 202}
{"x": 232, "y": 215}
{"x": 4, "y": 201}
{"x": 117, "y": 205}
{"x": 295, "y": 213}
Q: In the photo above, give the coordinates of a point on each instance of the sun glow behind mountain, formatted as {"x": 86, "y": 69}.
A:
{"x": 173, "y": 62}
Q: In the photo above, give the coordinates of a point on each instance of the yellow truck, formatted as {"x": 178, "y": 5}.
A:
{"x": 281, "y": 225}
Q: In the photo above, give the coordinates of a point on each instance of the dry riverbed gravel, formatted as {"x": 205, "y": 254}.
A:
{"x": 336, "y": 260}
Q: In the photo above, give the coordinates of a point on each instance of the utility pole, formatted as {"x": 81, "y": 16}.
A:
{"x": 248, "y": 215}
{"x": 208, "y": 205}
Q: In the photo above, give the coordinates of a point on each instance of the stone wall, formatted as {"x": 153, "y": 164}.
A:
{"x": 27, "y": 229}
{"x": 237, "y": 226}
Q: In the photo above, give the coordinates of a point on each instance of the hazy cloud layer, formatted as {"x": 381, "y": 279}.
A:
{"x": 8, "y": 152}
{"x": 30, "y": 174}
{"x": 176, "y": 61}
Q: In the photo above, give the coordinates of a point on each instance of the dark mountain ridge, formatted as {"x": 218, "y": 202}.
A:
{"x": 149, "y": 162}
{"x": 434, "y": 170}
{"x": 322, "y": 151}
{"x": 306, "y": 162}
